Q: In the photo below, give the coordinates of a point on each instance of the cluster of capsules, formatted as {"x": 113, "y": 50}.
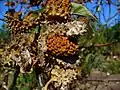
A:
{"x": 57, "y": 9}
{"x": 16, "y": 25}
{"x": 60, "y": 45}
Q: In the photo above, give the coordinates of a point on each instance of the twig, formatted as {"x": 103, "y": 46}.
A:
{"x": 8, "y": 4}
{"x": 112, "y": 17}
{"x": 104, "y": 14}
{"x": 99, "y": 45}
{"x": 2, "y": 19}
{"x": 106, "y": 44}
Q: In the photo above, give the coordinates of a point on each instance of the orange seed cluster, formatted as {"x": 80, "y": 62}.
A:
{"x": 60, "y": 45}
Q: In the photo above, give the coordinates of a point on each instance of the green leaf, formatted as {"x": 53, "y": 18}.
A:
{"x": 98, "y": 9}
{"x": 80, "y": 9}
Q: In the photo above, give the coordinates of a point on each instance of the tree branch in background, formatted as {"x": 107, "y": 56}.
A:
{"x": 112, "y": 17}
{"x": 109, "y": 5}
{"x": 2, "y": 19}
{"x": 103, "y": 13}
{"x": 21, "y": 6}
{"x": 8, "y": 4}
{"x": 105, "y": 44}
{"x": 100, "y": 45}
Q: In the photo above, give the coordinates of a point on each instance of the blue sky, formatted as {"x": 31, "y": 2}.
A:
{"x": 3, "y": 9}
{"x": 106, "y": 11}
